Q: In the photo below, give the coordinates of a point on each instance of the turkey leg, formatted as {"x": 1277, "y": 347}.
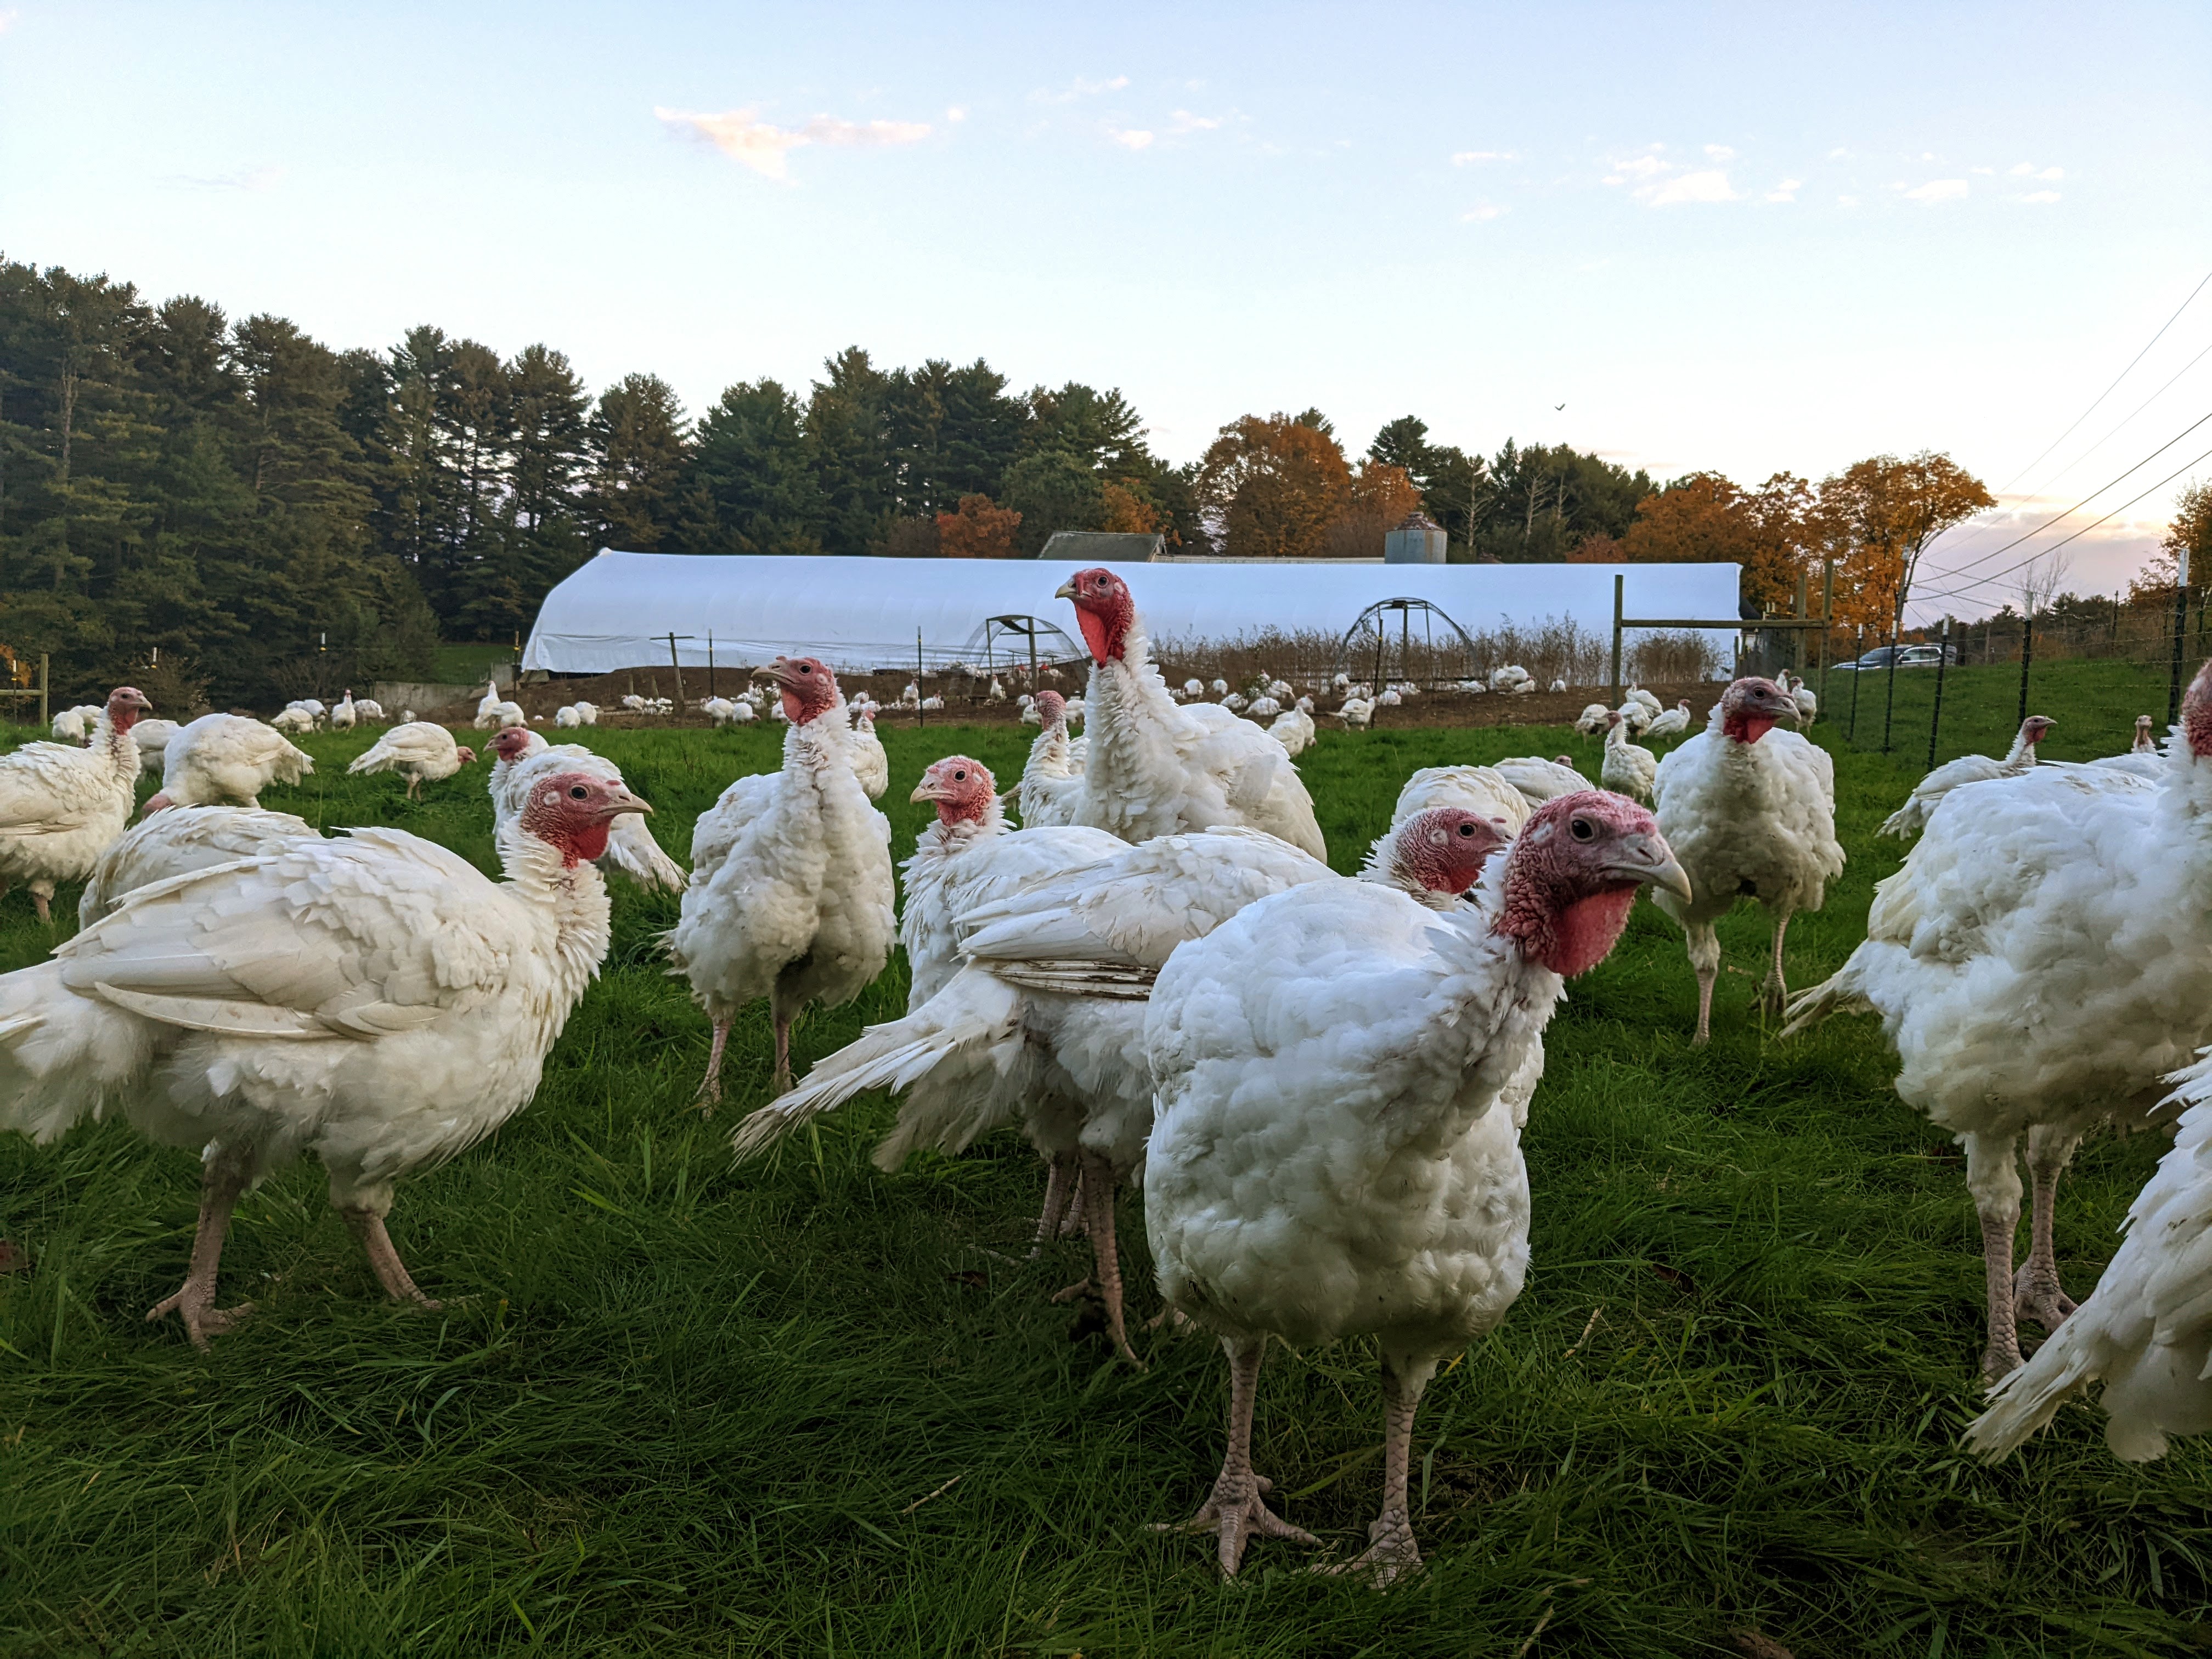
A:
{"x": 42, "y": 901}
{"x": 2037, "y": 1293}
{"x": 1995, "y": 1184}
{"x": 1059, "y": 1168}
{"x": 782, "y": 1051}
{"x": 1234, "y": 1510}
{"x": 1390, "y": 1548}
{"x": 1094, "y": 1182}
{"x": 710, "y": 1087}
{"x": 1705, "y": 959}
{"x": 1774, "y": 993}
{"x": 391, "y": 1271}
{"x": 194, "y": 1302}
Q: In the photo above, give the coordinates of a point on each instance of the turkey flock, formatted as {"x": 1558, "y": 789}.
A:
{"x": 1315, "y": 1083}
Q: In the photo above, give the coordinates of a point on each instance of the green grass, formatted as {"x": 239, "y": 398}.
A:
{"x": 468, "y": 663}
{"x": 672, "y": 1409}
{"x": 2095, "y": 704}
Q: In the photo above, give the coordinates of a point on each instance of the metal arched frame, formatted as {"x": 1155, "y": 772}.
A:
{"x": 1040, "y": 641}
{"x": 1372, "y": 617}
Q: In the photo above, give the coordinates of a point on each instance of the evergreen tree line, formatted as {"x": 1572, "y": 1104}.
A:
{"x": 228, "y": 511}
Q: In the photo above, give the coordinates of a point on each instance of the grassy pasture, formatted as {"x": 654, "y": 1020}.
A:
{"x": 807, "y": 1407}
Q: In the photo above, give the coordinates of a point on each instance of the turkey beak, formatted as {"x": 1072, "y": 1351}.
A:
{"x": 924, "y": 791}
{"x": 1066, "y": 589}
{"x": 1647, "y": 859}
{"x": 619, "y": 801}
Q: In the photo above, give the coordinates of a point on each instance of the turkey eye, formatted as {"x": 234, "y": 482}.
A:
{"x": 1466, "y": 830}
{"x": 959, "y": 777}
{"x": 578, "y": 792}
{"x": 1582, "y": 828}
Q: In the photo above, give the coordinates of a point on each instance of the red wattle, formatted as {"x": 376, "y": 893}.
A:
{"x": 1094, "y": 635}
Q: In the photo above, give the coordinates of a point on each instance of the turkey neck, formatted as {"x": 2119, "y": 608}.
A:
{"x": 1127, "y": 701}
{"x": 1048, "y": 754}
{"x": 2021, "y": 755}
{"x": 573, "y": 896}
{"x": 121, "y": 749}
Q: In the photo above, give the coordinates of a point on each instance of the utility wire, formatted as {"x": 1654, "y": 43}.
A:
{"x": 1989, "y": 580}
{"x": 1958, "y": 571}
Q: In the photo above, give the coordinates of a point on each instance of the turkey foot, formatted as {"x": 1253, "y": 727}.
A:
{"x": 782, "y": 1053}
{"x": 2038, "y": 1295}
{"x": 1059, "y": 1203}
{"x": 1233, "y": 1511}
{"x": 1173, "y": 1318}
{"x": 194, "y": 1303}
{"x": 391, "y": 1271}
{"x": 42, "y": 902}
{"x": 1097, "y": 1179}
{"x": 225, "y": 1178}
{"x": 1081, "y": 1287}
{"x": 1774, "y": 994}
{"x": 1390, "y": 1553}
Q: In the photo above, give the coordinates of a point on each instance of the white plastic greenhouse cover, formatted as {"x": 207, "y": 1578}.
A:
{"x": 618, "y": 611}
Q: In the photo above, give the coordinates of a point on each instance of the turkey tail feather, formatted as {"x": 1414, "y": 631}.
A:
{"x": 2026, "y": 1401}
{"x": 62, "y": 1054}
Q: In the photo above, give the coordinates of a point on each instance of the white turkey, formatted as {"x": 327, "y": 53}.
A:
{"x": 368, "y": 709}
{"x": 791, "y": 890}
{"x": 1910, "y": 819}
{"x": 1558, "y": 686}
{"x": 420, "y": 751}
{"x": 373, "y": 1000}
{"x": 1154, "y": 766}
{"x": 293, "y": 722}
{"x": 1627, "y": 770}
{"x": 932, "y": 705}
{"x": 61, "y": 806}
{"x": 343, "y": 712}
{"x": 1651, "y": 704}
{"x": 1540, "y": 780}
{"x": 632, "y": 702}
{"x": 911, "y": 697}
{"x": 869, "y": 764}
{"x": 1635, "y": 716}
{"x": 1219, "y": 688}
{"x": 1671, "y": 722}
{"x": 997, "y": 691}
{"x": 2146, "y": 1332}
{"x": 1045, "y": 1026}
{"x": 1263, "y": 708}
{"x": 1031, "y": 715}
{"x": 2041, "y": 962}
{"x": 1389, "y": 699}
{"x": 489, "y": 702}
{"x": 1278, "y": 689}
{"x": 567, "y": 719}
{"x": 1295, "y": 729}
{"x": 75, "y": 725}
{"x": 226, "y": 759}
{"x": 311, "y": 708}
{"x": 152, "y": 738}
{"x": 1809, "y": 703}
{"x": 721, "y": 710}
{"x": 1052, "y": 777}
{"x": 1303, "y": 705}
{"x": 2143, "y": 758}
{"x": 587, "y": 712}
{"x": 1341, "y": 1071}
{"x": 184, "y": 838}
{"x": 1751, "y": 812}
{"x": 1594, "y": 720}
{"x": 1480, "y": 790}
{"x": 1357, "y": 713}
{"x": 521, "y": 758}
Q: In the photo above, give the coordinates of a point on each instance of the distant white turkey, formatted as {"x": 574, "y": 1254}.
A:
{"x": 373, "y": 1000}
{"x": 1670, "y": 722}
{"x": 420, "y": 751}
{"x": 293, "y": 722}
{"x": 1154, "y": 766}
{"x": 566, "y": 717}
{"x": 152, "y": 738}
{"x": 521, "y": 758}
{"x": 1592, "y": 721}
{"x": 588, "y": 713}
{"x": 1751, "y": 812}
{"x": 869, "y": 764}
{"x": 2142, "y": 758}
{"x": 1809, "y": 704}
{"x": 368, "y": 709}
{"x": 1340, "y": 1071}
{"x": 1540, "y": 780}
{"x": 1052, "y": 777}
{"x": 1909, "y": 819}
{"x": 790, "y": 891}
{"x": 342, "y": 713}
{"x": 1627, "y": 770}
{"x": 1357, "y": 713}
{"x": 226, "y": 759}
{"x": 75, "y": 725}
{"x": 1295, "y": 729}
{"x": 61, "y": 806}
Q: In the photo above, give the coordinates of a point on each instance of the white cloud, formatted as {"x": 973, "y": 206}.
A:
{"x": 1785, "y": 191}
{"x": 1989, "y": 170}
{"x": 2052, "y": 173}
{"x": 1938, "y": 190}
{"x": 1478, "y": 215}
{"x": 1642, "y": 167}
{"x": 9, "y": 19}
{"x": 1467, "y": 158}
{"x": 1847, "y": 201}
{"x": 256, "y": 179}
{"x": 955, "y": 115}
{"x": 1719, "y": 153}
{"x": 1838, "y": 154}
{"x": 1711, "y": 185}
{"x": 1132, "y": 138}
{"x": 742, "y": 136}
{"x": 2028, "y": 170}
{"x": 1183, "y": 121}
{"x": 1081, "y": 88}
{"x": 2040, "y": 195}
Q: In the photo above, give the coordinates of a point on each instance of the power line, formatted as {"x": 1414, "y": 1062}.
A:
{"x": 2121, "y": 425}
{"x": 1989, "y": 580}
{"x": 2109, "y": 390}
{"x": 1957, "y": 571}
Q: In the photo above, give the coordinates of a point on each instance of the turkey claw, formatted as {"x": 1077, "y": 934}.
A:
{"x": 1233, "y": 1512}
{"x": 203, "y": 1319}
{"x": 1390, "y": 1554}
{"x": 2039, "y": 1297}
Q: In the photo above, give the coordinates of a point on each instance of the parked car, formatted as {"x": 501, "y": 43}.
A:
{"x": 1908, "y": 656}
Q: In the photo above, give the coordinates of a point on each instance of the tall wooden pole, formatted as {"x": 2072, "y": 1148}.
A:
{"x": 1935, "y": 718}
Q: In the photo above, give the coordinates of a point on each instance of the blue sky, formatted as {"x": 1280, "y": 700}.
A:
{"x": 1737, "y": 237}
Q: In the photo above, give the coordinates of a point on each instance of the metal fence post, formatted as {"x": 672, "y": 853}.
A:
{"x": 1858, "y": 650}
{"x": 2180, "y": 621}
{"x": 1827, "y": 619}
{"x": 1617, "y": 582}
{"x": 2026, "y": 655}
{"x": 1889, "y": 707}
{"x": 45, "y": 692}
{"x": 1935, "y": 717}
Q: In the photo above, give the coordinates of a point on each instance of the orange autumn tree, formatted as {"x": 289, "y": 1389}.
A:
{"x": 979, "y": 528}
{"x": 1705, "y": 517}
{"x": 1382, "y": 495}
{"x": 1126, "y": 510}
{"x": 1274, "y": 486}
{"x": 2191, "y": 532}
{"x": 1877, "y": 518}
